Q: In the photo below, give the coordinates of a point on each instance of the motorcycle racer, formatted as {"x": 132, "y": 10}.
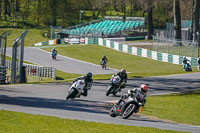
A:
{"x": 88, "y": 82}
{"x": 138, "y": 92}
{"x": 123, "y": 75}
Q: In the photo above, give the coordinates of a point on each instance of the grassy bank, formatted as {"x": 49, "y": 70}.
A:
{"x": 181, "y": 108}
{"x": 33, "y": 36}
{"x": 19, "y": 122}
{"x": 137, "y": 66}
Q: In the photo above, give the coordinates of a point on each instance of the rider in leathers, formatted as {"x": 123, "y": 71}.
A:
{"x": 88, "y": 82}
{"x": 136, "y": 91}
{"x": 198, "y": 61}
{"x": 185, "y": 61}
{"x": 122, "y": 74}
{"x": 103, "y": 61}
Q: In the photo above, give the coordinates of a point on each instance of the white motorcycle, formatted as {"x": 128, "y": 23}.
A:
{"x": 76, "y": 89}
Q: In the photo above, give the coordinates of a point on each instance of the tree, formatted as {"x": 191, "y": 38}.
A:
{"x": 177, "y": 20}
{"x": 53, "y": 5}
{"x": 150, "y": 19}
{"x": 5, "y": 9}
{"x": 195, "y": 19}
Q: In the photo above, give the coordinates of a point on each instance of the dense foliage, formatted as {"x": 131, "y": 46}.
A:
{"x": 34, "y": 13}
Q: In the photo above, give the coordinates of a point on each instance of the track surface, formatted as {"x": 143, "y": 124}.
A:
{"x": 49, "y": 99}
{"x": 65, "y": 64}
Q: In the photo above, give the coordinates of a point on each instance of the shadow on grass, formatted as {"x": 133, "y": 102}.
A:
{"x": 59, "y": 78}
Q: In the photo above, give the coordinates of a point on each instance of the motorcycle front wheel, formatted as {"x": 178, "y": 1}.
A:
{"x": 128, "y": 111}
{"x": 109, "y": 90}
{"x": 112, "y": 112}
{"x": 72, "y": 94}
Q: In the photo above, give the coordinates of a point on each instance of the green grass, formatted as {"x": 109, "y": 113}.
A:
{"x": 181, "y": 108}
{"x": 33, "y": 36}
{"x": 13, "y": 122}
{"x": 138, "y": 66}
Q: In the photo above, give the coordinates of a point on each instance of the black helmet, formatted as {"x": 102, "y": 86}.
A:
{"x": 123, "y": 71}
{"x": 89, "y": 76}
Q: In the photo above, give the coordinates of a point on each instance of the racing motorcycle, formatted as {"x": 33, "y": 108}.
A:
{"x": 103, "y": 65}
{"x": 76, "y": 89}
{"x": 114, "y": 86}
{"x": 187, "y": 67}
{"x": 127, "y": 107}
{"x": 54, "y": 54}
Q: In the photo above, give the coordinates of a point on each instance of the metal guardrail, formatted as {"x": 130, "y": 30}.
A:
{"x": 3, "y": 73}
{"x": 35, "y": 70}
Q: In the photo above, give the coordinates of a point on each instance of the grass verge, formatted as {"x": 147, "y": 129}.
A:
{"x": 33, "y": 36}
{"x": 137, "y": 66}
{"x": 181, "y": 108}
{"x": 20, "y": 122}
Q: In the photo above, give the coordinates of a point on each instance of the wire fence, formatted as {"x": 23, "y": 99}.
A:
{"x": 35, "y": 70}
{"x": 176, "y": 47}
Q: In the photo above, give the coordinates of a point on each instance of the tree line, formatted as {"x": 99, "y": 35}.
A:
{"x": 65, "y": 13}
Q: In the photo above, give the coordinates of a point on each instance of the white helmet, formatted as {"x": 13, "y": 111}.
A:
{"x": 144, "y": 88}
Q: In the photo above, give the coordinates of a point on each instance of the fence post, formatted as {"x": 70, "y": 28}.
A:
{"x": 21, "y": 71}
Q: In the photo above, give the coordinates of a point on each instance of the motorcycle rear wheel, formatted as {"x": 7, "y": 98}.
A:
{"x": 128, "y": 111}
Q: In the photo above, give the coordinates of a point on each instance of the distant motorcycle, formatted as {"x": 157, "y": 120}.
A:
{"x": 76, "y": 89}
{"x": 127, "y": 107}
{"x": 187, "y": 67}
{"x": 54, "y": 54}
{"x": 103, "y": 65}
{"x": 114, "y": 86}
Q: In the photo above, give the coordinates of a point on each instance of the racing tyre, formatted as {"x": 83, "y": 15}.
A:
{"x": 72, "y": 93}
{"x": 109, "y": 90}
{"x": 128, "y": 111}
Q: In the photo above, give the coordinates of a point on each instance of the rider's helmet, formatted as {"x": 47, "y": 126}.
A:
{"x": 89, "y": 76}
{"x": 123, "y": 71}
{"x": 184, "y": 57}
{"x": 144, "y": 88}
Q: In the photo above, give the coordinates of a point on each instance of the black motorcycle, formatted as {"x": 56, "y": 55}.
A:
{"x": 187, "y": 67}
{"x": 127, "y": 107}
{"x": 114, "y": 86}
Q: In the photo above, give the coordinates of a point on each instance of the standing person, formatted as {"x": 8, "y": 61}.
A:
{"x": 88, "y": 82}
{"x": 123, "y": 75}
{"x": 103, "y": 62}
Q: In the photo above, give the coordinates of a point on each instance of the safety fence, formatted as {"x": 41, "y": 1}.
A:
{"x": 176, "y": 47}
{"x": 35, "y": 70}
{"x": 160, "y": 56}
{"x": 165, "y": 57}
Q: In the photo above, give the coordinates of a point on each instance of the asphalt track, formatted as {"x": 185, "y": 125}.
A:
{"x": 49, "y": 99}
{"x": 65, "y": 64}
